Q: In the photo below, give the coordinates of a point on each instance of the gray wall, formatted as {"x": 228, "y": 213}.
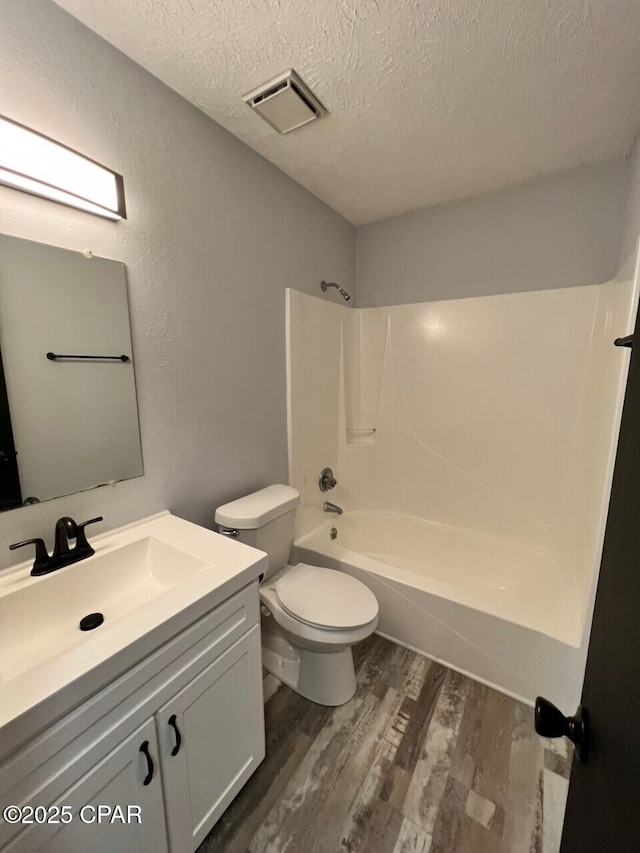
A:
{"x": 629, "y": 252}
{"x": 559, "y": 231}
{"x": 214, "y": 236}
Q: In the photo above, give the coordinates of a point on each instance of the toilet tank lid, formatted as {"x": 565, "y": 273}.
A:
{"x": 258, "y": 508}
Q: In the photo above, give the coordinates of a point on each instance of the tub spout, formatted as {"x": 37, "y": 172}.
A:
{"x": 329, "y": 507}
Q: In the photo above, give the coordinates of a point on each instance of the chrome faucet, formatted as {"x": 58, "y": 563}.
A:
{"x": 329, "y": 507}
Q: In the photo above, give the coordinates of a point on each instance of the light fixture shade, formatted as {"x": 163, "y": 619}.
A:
{"x": 41, "y": 166}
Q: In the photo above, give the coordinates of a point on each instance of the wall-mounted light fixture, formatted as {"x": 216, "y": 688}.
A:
{"x": 41, "y": 166}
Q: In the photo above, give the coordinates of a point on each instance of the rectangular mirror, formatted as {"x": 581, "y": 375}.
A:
{"x": 68, "y": 408}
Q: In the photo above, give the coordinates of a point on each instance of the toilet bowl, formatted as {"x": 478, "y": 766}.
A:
{"x": 311, "y": 615}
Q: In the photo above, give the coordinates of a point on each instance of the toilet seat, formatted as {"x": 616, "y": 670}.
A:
{"x": 326, "y": 598}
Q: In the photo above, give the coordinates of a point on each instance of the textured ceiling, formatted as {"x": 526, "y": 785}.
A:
{"x": 430, "y": 100}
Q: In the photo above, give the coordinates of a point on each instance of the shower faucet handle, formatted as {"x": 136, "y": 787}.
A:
{"x": 327, "y": 480}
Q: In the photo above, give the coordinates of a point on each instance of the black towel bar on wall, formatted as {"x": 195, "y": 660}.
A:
{"x": 53, "y": 356}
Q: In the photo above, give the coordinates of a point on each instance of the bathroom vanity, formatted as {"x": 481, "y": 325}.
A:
{"x": 158, "y": 711}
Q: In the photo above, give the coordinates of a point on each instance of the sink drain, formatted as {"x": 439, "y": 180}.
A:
{"x": 91, "y": 621}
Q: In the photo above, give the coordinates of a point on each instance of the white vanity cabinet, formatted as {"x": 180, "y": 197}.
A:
{"x": 210, "y": 742}
{"x": 177, "y": 735}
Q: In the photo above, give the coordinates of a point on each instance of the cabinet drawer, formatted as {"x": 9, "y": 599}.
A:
{"x": 72, "y": 746}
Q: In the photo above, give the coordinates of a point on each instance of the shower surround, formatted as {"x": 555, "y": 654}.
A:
{"x": 473, "y": 442}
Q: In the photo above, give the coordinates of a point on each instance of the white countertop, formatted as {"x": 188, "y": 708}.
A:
{"x": 35, "y": 697}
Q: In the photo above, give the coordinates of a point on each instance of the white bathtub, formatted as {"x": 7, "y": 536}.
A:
{"x": 485, "y": 606}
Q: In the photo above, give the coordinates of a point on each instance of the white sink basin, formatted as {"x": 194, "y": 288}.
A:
{"x": 150, "y": 580}
{"x": 114, "y": 584}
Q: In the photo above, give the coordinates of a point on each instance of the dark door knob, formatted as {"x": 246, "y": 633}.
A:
{"x": 551, "y": 722}
{"x": 624, "y": 342}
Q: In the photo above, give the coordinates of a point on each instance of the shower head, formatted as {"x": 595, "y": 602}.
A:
{"x": 325, "y": 284}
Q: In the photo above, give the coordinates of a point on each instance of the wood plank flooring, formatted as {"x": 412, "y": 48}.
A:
{"x": 421, "y": 760}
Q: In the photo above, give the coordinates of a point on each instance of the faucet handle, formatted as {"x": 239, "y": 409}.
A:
{"x": 327, "y": 480}
{"x": 81, "y": 536}
{"x": 42, "y": 561}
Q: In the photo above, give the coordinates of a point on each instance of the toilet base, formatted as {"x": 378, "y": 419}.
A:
{"x": 328, "y": 678}
{"x": 325, "y": 677}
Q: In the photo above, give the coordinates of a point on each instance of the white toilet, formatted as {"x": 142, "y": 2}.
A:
{"x": 311, "y": 616}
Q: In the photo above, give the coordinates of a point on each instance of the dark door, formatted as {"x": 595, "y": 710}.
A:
{"x": 603, "y": 808}
{"x": 10, "y": 495}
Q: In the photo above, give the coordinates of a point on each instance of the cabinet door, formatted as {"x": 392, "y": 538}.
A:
{"x": 211, "y": 737}
{"x": 118, "y": 780}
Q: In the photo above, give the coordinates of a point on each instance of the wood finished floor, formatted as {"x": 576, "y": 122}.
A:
{"x": 421, "y": 760}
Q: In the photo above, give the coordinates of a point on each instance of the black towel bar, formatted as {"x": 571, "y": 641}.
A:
{"x": 53, "y": 356}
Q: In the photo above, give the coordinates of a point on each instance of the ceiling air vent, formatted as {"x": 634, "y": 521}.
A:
{"x": 285, "y": 102}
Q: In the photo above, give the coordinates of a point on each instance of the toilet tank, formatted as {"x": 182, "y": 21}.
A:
{"x": 264, "y": 520}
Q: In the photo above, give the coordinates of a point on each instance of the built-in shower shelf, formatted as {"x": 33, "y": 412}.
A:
{"x": 361, "y": 436}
